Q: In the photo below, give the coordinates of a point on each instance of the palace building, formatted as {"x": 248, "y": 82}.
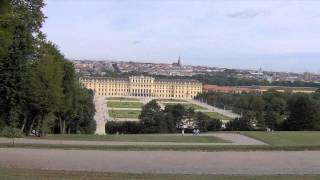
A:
{"x": 143, "y": 86}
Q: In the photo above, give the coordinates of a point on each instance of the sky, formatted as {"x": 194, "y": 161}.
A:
{"x": 278, "y": 35}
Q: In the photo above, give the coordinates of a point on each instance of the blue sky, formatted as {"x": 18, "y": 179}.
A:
{"x": 275, "y": 35}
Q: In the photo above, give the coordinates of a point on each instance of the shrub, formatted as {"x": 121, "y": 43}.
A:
{"x": 11, "y": 133}
{"x": 126, "y": 127}
{"x": 214, "y": 125}
{"x": 239, "y": 124}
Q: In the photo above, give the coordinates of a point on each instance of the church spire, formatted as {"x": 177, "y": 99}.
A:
{"x": 179, "y": 62}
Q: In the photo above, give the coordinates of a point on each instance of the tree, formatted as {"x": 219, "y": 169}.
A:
{"x": 168, "y": 123}
{"x": 178, "y": 113}
{"x": 190, "y": 113}
{"x": 83, "y": 120}
{"x": 304, "y": 113}
{"x": 206, "y": 123}
{"x": 201, "y": 121}
{"x": 149, "y": 116}
{"x": 256, "y": 105}
{"x": 274, "y": 112}
{"x": 20, "y": 25}
{"x": 46, "y": 85}
{"x": 67, "y": 110}
{"x": 241, "y": 124}
{"x": 214, "y": 124}
{"x": 38, "y": 86}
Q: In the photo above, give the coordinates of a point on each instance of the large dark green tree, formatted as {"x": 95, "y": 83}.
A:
{"x": 275, "y": 109}
{"x": 47, "y": 85}
{"x": 20, "y": 26}
{"x": 149, "y": 116}
{"x": 304, "y": 113}
{"x": 39, "y": 88}
{"x": 178, "y": 113}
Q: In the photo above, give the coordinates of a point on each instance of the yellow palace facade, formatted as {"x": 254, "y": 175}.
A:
{"x": 143, "y": 86}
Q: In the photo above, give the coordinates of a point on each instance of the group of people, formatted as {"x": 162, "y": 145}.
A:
{"x": 195, "y": 132}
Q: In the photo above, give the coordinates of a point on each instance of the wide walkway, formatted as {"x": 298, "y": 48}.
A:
{"x": 172, "y": 162}
{"x": 233, "y": 138}
{"x": 216, "y": 109}
{"x": 99, "y": 117}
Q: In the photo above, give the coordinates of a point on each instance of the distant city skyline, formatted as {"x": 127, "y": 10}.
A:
{"x": 274, "y": 35}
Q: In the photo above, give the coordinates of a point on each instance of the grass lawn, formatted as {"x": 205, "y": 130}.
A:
{"x": 194, "y": 106}
{"x": 281, "y": 138}
{"x": 279, "y": 141}
{"x": 171, "y": 100}
{"x": 122, "y": 99}
{"x": 124, "y": 113}
{"x": 121, "y": 104}
{"x": 217, "y": 116}
{"x": 28, "y": 174}
{"x": 140, "y": 138}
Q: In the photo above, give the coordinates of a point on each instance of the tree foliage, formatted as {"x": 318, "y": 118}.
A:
{"x": 38, "y": 86}
{"x": 171, "y": 119}
{"x": 272, "y": 109}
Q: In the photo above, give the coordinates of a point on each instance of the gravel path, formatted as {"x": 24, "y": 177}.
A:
{"x": 226, "y": 163}
{"x": 235, "y": 139}
{"x": 99, "y": 102}
{"x": 215, "y": 109}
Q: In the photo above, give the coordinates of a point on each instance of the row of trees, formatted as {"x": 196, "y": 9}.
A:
{"x": 39, "y": 89}
{"x": 225, "y": 78}
{"x": 272, "y": 109}
{"x": 229, "y": 78}
{"x": 172, "y": 119}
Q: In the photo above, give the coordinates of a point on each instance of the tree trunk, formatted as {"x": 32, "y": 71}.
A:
{"x": 30, "y": 128}
{"x": 62, "y": 125}
{"x": 24, "y": 124}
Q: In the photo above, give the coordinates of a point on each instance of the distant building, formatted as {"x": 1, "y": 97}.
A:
{"x": 307, "y": 76}
{"x": 177, "y": 63}
{"x": 143, "y": 86}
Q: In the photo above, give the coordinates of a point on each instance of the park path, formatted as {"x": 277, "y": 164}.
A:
{"x": 99, "y": 102}
{"x": 215, "y": 109}
{"x": 169, "y": 162}
{"x": 208, "y": 107}
{"x": 233, "y": 138}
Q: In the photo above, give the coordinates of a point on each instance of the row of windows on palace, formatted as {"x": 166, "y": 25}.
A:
{"x": 140, "y": 81}
{"x": 160, "y": 87}
{"x": 142, "y": 86}
{"x": 144, "y": 90}
{"x": 155, "y": 84}
{"x": 152, "y": 95}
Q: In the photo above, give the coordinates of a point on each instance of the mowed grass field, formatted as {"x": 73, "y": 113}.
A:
{"x": 278, "y": 141}
{"x": 30, "y": 174}
{"x": 124, "y": 113}
{"x": 287, "y": 138}
{"x": 140, "y": 138}
{"x": 122, "y": 99}
{"x": 187, "y": 105}
{"x": 216, "y": 115}
{"x": 123, "y": 104}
